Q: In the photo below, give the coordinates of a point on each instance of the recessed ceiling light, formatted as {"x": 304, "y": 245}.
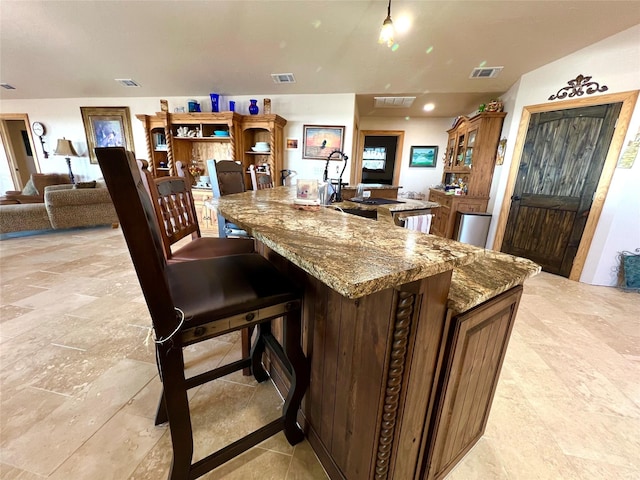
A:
{"x": 127, "y": 82}
{"x": 7, "y": 86}
{"x": 429, "y": 107}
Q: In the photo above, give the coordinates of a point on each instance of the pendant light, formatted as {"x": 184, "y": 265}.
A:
{"x": 387, "y": 30}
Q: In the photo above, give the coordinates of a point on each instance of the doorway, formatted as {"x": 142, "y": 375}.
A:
{"x": 564, "y": 158}
{"x": 379, "y": 157}
{"x": 18, "y": 155}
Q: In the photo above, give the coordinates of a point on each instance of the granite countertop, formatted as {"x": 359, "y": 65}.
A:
{"x": 487, "y": 277}
{"x": 355, "y": 256}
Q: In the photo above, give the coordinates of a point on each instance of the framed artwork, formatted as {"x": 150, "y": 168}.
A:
{"x": 423, "y": 156}
{"x": 106, "y": 127}
{"x": 292, "y": 143}
{"x": 319, "y": 141}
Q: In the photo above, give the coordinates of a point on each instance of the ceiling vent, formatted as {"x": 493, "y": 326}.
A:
{"x": 7, "y": 86}
{"x": 283, "y": 78}
{"x": 127, "y": 82}
{"x": 486, "y": 72}
{"x": 393, "y": 102}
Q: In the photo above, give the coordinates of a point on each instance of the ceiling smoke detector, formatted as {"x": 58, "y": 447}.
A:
{"x": 283, "y": 78}
{"x": 485, "y": 72}
{"x": 393, "y": 102}
{"x": 127, "y": 82}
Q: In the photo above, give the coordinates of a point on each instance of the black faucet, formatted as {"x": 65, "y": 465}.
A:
{"x": 337, "y": 195}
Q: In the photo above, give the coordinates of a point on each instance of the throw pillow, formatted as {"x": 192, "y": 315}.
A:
{"x": 91, "y": 184}
{"x": 30, "y": 188}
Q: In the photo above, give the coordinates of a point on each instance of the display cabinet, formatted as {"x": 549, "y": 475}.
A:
{"x": 468, "y": 169}
{"x": 193, "y": 138}
{"x": 262, "y": 128}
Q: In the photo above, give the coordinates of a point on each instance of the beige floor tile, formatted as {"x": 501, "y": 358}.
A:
{"x": 7, "y": 472}
{"x": 44, "y": 446}
{"x": 76, "y": 366}
{"x": 114, "y": 452}
{"x": 305, "y": 464}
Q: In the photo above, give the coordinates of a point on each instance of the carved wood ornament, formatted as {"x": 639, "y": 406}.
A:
{"x": 401, "y": 329}
{"x": 577, "y": 87}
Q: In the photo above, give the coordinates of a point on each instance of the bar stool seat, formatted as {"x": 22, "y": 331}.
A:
{"x": 194, "y": 301}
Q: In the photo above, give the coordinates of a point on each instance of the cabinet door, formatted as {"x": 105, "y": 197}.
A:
{"x": 440, "y": 221}
{"x": 475, "y": 353}
{"x": 468, "y": 150}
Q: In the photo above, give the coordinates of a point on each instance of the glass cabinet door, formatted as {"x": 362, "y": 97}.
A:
{"x": 468, "y": 154}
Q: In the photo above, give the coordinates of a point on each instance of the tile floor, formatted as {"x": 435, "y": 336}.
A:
{"x": 78, "y": 383}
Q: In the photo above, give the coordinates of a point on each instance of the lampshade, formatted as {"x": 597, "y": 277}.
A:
{"x": 65, "y": 148}
{"x": 387, "y": 31}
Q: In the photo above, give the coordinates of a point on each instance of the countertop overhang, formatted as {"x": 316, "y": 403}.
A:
{"x": 352, "y": 255}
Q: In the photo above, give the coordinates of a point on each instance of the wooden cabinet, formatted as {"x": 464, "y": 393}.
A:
{"x": 469, "y": 163}
{"x": 475, "y": 352}
{"x": 190, "y": 138}
{"x": 444, "y": 221}
{"x": 262, "y": 128}
{"x": 193, "y": 138}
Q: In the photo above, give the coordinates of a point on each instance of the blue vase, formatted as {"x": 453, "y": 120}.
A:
{"x": 253, "y": 108}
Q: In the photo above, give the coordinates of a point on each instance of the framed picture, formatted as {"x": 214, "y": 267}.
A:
{"x": 106, "y": 127}
{"x": 319, "y": 141}
{"x": 423, "y": 156}
{"x": 292, "y": 143}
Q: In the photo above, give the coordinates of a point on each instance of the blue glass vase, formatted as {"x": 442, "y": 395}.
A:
{"x": 253, "y": 108}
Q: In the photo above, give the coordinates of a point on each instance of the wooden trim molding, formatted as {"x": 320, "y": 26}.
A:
{"x": 628, "y": 100}
{"x": 394, "y": 383}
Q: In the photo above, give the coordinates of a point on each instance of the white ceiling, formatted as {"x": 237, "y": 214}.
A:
{"x": 66, "y": 49}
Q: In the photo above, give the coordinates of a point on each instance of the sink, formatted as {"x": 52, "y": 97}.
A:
{"x": 373, "y": 214}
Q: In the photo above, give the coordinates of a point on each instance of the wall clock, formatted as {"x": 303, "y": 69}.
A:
{"x": 39, "y": 130}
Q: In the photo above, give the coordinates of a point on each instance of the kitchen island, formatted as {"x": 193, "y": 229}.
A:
{"x": 379, "y": 334}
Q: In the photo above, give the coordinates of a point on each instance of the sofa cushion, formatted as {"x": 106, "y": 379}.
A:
{"x": 30, "y": 188}
{"x": 91, "y": 184}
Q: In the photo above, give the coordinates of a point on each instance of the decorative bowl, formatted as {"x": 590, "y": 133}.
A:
{"x": 221, "y": 133}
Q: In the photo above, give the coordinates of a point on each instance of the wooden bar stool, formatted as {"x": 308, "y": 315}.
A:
{"x": 194, "y": 301}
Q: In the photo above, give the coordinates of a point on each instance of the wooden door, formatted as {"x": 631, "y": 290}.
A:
{"x": 563, "y": 157}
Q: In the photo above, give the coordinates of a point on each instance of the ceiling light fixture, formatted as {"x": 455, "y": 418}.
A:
{"x": 387, "y": 31}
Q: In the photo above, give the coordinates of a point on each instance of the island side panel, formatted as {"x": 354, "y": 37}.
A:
{"x": 475, "y": 356}
{"x": 423, "y": 368}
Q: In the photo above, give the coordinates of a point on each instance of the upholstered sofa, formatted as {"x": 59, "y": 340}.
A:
{"x": 64, "y": 207}
{"x": 33, "y": 191}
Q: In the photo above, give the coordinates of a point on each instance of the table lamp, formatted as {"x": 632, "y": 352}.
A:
{"x": 65, "y": 149}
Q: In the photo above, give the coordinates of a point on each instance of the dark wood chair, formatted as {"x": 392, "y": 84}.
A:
{"x": 227, "y": 177}
{"x": 195, "y": 301}
{"x": 177, "y": 218}
{"x": 260, "y": 177}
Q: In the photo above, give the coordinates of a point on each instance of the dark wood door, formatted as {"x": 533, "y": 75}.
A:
{"x": 561, "y": 164}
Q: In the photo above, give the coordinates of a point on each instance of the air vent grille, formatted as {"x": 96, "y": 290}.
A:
{"x": 283, "y": 78}
{"x": 486, "y": 72}
{"x": 127, "y": 82}
{"x": 7, "y": 86}
{"x": 393, "y": 102}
